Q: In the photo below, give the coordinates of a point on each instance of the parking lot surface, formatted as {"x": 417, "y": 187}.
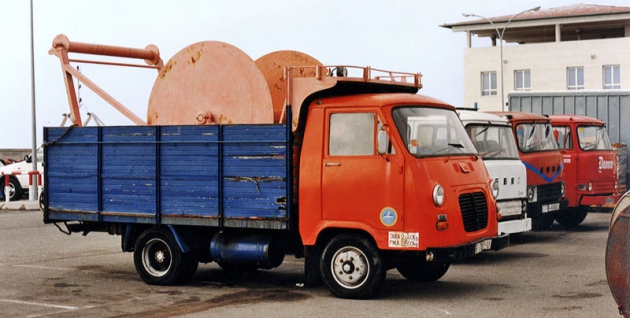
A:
{"x": 45, "y": 273}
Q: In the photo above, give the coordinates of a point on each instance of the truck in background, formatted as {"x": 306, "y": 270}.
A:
{"x": 339, "y": 182}
{"x": 589, "y": 164}
{"x": 494, "y": 139}
{"x": 538, "y": 150}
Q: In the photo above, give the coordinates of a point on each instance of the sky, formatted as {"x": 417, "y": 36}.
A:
{"x": 398, "y": 35}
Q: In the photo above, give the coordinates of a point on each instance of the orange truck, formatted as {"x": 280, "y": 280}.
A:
{"x": 590, "y": 166}
{"x": 360, "y": 175}
{"x": 545, "y": 169}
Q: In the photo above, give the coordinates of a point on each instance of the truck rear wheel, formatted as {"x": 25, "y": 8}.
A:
{"x": 571, "y": 218}
{"x": 352, "y": 267}
{"x": 421, "y": 271}
{"x": 159, "y": 260}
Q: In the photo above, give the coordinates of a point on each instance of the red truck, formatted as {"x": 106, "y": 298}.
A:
{"x": 545, "y": 170}
{"x": 590, "y": 166}
{"x": 363, "y": 175}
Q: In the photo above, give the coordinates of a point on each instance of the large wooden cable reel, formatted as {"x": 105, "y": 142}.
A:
{"x": 210, "y": 82}
{"x": 273, "y": 66}
{"x": 618, "y": 255}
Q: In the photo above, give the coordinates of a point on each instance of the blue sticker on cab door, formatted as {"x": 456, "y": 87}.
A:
{"x": 389, "y": 216}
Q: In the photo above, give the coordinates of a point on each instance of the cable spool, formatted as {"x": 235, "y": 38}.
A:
{"x": 272, "y": 67}
{"x": 210, "y": 82}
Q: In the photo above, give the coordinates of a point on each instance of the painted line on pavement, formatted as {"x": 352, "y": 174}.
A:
{"x": 37, "y": 304}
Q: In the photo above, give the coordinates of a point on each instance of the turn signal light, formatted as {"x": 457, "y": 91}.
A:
{"x": 441, "y": 224}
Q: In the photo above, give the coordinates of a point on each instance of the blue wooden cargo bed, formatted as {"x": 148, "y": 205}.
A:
{"x": 217, "y": 175}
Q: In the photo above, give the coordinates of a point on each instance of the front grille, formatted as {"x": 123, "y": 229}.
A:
{"x": 549, "y": 192}
{"x": 474, "y": 211}
{"x": 604, "y": 186}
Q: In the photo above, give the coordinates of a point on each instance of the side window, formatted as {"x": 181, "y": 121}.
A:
{"x": 351, "y": 134}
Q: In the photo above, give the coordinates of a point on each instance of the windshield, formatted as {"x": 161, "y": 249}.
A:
{"x": 493, "y": 142}
{"x": 534, "y": 137}
{"x": 593, "y": 138}
{"x": 430, "y": 131}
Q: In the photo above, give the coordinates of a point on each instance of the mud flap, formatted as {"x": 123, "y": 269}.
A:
{"x": 312, "y": 276}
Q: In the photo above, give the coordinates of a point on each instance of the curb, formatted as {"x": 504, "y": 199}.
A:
{"x": 19, "y": 205}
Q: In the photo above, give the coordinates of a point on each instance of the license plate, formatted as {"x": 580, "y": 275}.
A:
{"x": 610, "y": 201}
{"x": 482, "y": 246}
{"x": 550, "y": 207}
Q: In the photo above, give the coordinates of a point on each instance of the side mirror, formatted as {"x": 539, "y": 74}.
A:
{"x": 382, "y": 141}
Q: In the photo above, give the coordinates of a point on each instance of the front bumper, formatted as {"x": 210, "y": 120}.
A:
{"x": 601, "y": 201}
{"x": 515, "y": 226}
{"x": 537, "y": 209}
{"x": 451, "y": 254}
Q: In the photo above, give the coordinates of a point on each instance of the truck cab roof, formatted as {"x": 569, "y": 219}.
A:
{"x": 575, "y": 119}
{"x": 383, "y": 99}
{"x": 521, "y": 116}
{"x": 472, "y": 116}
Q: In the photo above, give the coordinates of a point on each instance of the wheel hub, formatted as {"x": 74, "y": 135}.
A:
{"x": 159, "y": 257}
{"x": 350, "y": 267}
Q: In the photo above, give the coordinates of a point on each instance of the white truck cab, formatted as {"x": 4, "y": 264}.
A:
{"x": 493, "y": 138}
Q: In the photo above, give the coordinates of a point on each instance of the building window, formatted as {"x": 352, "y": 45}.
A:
{"x": 522, "y": 80}
{"x": 575, "y": 78}
{"x": 612, "y": 77}
{"x": 488, "y": 83}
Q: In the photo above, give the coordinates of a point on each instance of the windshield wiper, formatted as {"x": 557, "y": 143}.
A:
{"x": 482, "y": 131}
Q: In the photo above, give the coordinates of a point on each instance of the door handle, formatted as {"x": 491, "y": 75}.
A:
{"x": 330, "y": 164}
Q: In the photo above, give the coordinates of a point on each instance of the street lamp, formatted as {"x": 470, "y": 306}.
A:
{"x": 500, "y": 34}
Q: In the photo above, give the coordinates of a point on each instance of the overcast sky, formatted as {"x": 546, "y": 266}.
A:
{"x": 400, "y": 35}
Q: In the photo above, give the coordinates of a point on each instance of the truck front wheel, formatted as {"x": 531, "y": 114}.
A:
{"x": 422, "y": 271}
{"x": 571, "y": 218}
{"x": 352, "y": 267}
{"x": 159, "y": 260}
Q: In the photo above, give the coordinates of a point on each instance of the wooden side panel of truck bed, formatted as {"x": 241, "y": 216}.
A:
{"x": 216, "y": 175}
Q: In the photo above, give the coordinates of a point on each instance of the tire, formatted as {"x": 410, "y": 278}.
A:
{"x": 352, "y": 267}
{"x": 421, "y": 271}
{"x": 571, "y": 218}
{"x": 159, "y": 260}
{"x": 543, "y": 222}
{"x": 42, "y": 202}
{"x": 15, "y": 190}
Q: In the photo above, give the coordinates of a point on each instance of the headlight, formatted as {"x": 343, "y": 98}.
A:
{"x": 438, "y": 195}
{"x": 495, "y": 188}
{"x": 562, "y": 188}
{"x": 590, "y": 186}
{"x": 531, "y": 194}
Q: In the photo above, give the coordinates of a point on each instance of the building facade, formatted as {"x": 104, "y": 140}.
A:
{"x": 578, "y": 47}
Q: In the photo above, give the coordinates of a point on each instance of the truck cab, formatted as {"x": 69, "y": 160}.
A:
{"x": 539, "y": 153}
{"x": 590, "y": 166}
{"x": 494, "y": 139}
{"x": 400, "y": 171}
